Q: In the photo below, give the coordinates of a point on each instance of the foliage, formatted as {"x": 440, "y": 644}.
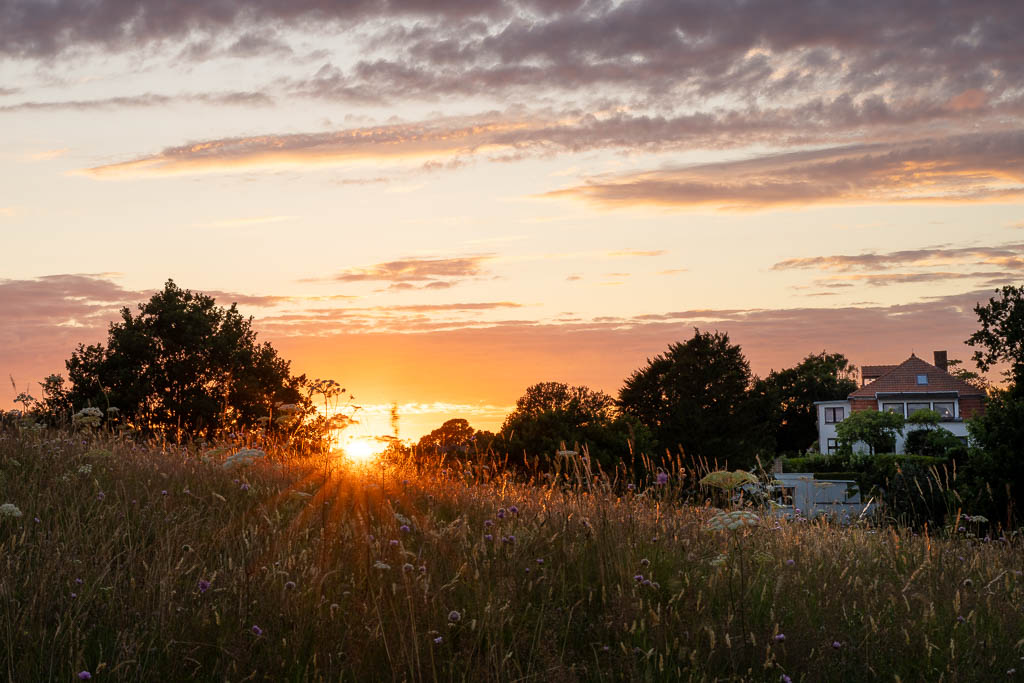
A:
{"x": 138, "y": 562}
{"x": 793, "y": 391}
{"x": 695, "y": 397}
{"x": 976, "y": 380}
{"x": 182, "y": 365}
{"x": 1001, "y": 337}
{"x": 996, "y": 467}
{"x": 455, "y": 436}
{"x": 876, "y": 428}
{"x": 937, "y": 443}
{"x": 550, "y": 414}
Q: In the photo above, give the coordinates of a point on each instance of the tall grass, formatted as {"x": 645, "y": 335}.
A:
{"x": 140, "y": 561}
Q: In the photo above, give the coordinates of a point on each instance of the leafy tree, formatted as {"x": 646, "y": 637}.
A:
{"x": 876, "y": 428}
{"x": 183, "y": 365}
{"x": 550, "y": 414}
{"x": 976, "y": 380}
{"x": 792, "y": 392}
{"x": 454, "y": 436}
{"x": 995, "y": 470}
{"x": 1001, "y": 337}
{"x": 695, "y": 396}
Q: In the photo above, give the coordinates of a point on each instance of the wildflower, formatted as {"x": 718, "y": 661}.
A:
{"x": 779, "y": 637}
{"x": 488, "y": 523}
{"x": 488, "y": 537}
{"x": 438, "y": 640}
{"x": 540, "y": 560}
{"x": 645, "y": 562}
{"x": 790, "y": 562}
{"x": 289, "y": 585}
{"x": 164, "y": 492}
{"x": 629, "y": 487}
{"x": 404, "y": 528}
{"x": 406, "y": 567}
{"x": 257, "y": 630}
{"x": 785, "y": 679}
{"x": 84, "y": 675}
{"x": 836, "y": 645}
{"x": 511, "y": 538}
{"x": 78, "y": 581}
{"x": 74, "y": 595}
{"x": 393, "y": 542}
{"x": 960, "y": 619}
{"x": 9, "y": 510}
{"x": 204, "y": 585}
{"x": 638, "y": 577}
{"x": 513, "y": 509}
{"x": 383, "y": 566}
{"x": 646, "y": 582}
{"x": 37, "y": 520}
{"x": 85, "y": 469}
{"x": 244, "y": 486}
{"x": 100, "y": 496}
{"x": 501, "y": 513}
{"x": 454, "y": 617}
{"x": 662, "y": 478}
{"x": 246, "y": 456}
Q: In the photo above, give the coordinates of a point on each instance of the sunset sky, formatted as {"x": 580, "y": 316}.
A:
{"x": 440, "y": 203}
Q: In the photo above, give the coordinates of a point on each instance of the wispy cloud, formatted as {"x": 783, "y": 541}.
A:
{"x": 968, "y": 168}
{"x": 142, "y": 100}
{"x": 418, "y": 272}
{"x": 1005, "y": 255}
{"x": 245, "y": 222}
{"x": 638, "y": 252}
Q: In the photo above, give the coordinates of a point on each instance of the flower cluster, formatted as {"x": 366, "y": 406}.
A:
{"x": 246, "y": 456}
{"x": 733, "y": 521}
{"x": 9, "y": 510}
{"x": 87, "y": 417}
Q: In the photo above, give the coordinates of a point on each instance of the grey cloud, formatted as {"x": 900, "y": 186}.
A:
{"x": 966, "y": 168}
{"x": 1011, "y": 254}
{"x": 241, "y": 98}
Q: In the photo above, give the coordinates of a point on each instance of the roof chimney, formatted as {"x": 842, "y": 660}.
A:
{"x": 941, "y": 361}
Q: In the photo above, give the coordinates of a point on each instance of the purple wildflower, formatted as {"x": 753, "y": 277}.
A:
{"x": 100, "y": 496}
{"x": 662, "y": 478}
{"x": 488, "y": 537}
{"x": 540, "y": 560}
{"x": 779, "y": 637}
{"x": 257, "y": 630}
{"x": 454, "y": 616}
{"x": 204, "y": 585}
{"x": 790, "y": 563}
{"x": 488, "y": 523}
{"x": 38, "y": 520}
{"x": 630, "y": 487}
{"x": 513, "y": 509}
{"x": 393, "y": 542}
{"x": 244, "y": 486}
{"x": 164, "y": 492}
{"x": 438, "y": 640}
{"x": 74, "y": 595}
{"x": 638, "y": 578}
{"x": 785, "y": 679}
{"x": 404, "y": 528}
{"x": 501, "y": 513}
{"x": 960, "y": 619}
{"x": 836, "y": 645}
{"x": 84, "y": 675}
{"x": 511, "y": 538}
{"x": 289, "y": 585}
{"x": 78, "y": 581}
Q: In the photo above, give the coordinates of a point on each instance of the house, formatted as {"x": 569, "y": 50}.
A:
{"x": 906, "y": 388}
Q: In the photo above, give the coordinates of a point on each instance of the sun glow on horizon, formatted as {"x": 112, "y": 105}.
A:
{"x": 361, "y": 450}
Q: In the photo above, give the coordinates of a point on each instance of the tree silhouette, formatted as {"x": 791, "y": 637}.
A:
{"x": 183, "y": 365}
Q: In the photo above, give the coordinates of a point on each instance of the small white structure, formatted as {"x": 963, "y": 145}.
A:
{"x": 799, "y": 493}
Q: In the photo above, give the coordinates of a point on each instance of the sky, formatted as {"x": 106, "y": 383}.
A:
{"x": 441, "y": 203}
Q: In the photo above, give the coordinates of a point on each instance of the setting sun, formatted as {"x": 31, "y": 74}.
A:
{"x": 360, "y": 449}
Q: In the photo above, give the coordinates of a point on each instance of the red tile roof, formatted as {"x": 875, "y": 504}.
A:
{"x": 874, "y": 371}
{"x": 902, "y": 378}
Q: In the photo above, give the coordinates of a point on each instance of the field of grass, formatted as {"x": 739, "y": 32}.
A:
{"x": 147, "y": 562}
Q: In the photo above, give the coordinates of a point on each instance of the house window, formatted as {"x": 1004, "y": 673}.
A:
{"x": 833, "y": 415}
{"x": 892, "y": 408}
{"x": 945, "y": 410}
{"x": 833, "y": 446}
{"x": 922, "y": 379}
{"x": 914, "y": 407}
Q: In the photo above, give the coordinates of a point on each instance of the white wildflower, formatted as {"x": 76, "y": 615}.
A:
{"x": 9, "y": 510}
{"x": 246, "y": 456}
{"x": 384, "y": 566}
{"x": 733, "y": 521}
{"x": 85, "y": 469}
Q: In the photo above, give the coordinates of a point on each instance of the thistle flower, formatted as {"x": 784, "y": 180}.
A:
{"x": 836, "y": 645}
{"x": 203, "y": 585}
{"x": 645, "y": 562}
{"x": 488, "y": 523}
{"x": 289, "y": 585}
{"x": 662, "y": 478}
{"x": 454, "y": 617}
{"x": 488, "y": 537}
{"x": 501, "y": 513}
{"x": 257, "y": 630}
{"x": 84, "y": 675}
{"x": 404, "y": 528}
{"x": 779, "y": 637}
{"x": 393, "y": 542}
{"x": 513, "y": 509}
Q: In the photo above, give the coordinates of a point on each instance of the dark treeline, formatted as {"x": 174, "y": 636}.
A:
{"x": 186, "y": 368}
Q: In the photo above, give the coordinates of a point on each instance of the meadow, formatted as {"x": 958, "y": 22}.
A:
{"x": 134, "y": 560}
